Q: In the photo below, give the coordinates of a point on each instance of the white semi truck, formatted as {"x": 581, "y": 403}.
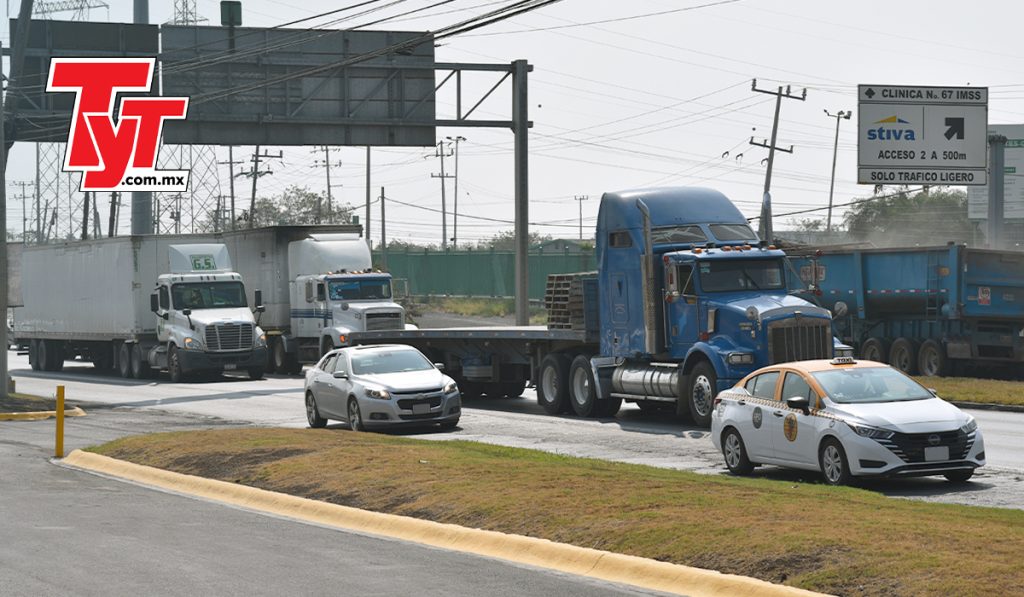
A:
{"x": 136, "y": 305}
{"x": 318, "y": 288}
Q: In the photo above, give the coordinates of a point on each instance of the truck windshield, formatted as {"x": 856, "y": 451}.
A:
{"x": 208, "y": 295}
{"x": 870, "y": 384}
{"x": 359, "y": 289}
{"x": 730, "y": 275}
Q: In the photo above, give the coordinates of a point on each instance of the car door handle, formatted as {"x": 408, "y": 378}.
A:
{"x": 779, "y": 413}
{"x": 741, "y": 402}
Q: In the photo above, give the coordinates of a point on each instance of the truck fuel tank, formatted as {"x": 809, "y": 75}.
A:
{"x": 652, "y": 379}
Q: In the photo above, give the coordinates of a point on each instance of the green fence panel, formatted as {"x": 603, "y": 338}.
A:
{"x": 478, "y": 273}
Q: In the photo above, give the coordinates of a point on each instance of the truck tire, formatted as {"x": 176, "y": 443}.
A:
{"x": 33, "y": 355}
{"x": 102, "y": 357}
{"x": 511, "y": 389}
{"x": 139, "y": 368}
{"x": 294, "y": 366}
{"x": 124, "y": 360}
{"x": 701, "y": 395}
{"x": 874, "y": 349}
{"x": 553, "y": 389}
{"x": 931, "y": 359}
{"x": 903, "y": 356}
{"x": 51, "y": 357}
{"x": 174, "y": 369}
{"x": 255, "y": 373}
{"x": 582, "y": 393}
{"x": 608, "y": 407}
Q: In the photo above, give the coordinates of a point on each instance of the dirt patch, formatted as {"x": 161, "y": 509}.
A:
{"x": 21, "y": 403}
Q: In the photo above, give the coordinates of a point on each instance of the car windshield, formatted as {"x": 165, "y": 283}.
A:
{"x": 732, "y": 275}
{"x": 359, "y": 289}
{"x": 870, "y": 384}
{"x": 376, "y": 362}
{"x": 208, "y": 295}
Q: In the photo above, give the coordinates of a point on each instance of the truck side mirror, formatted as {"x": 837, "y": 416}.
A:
{"x": 154, "y": 302}
{"x": 186, "y": 312}
{"x": 258, "y": 299}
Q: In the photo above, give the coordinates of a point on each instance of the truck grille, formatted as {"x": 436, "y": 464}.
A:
{"x": 799, "y": 339}
{"x": 910, "y": 446}
{"x": 384, "y": 320}
{"x": 229, "y": 336}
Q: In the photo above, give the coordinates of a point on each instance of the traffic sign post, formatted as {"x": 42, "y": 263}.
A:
{"x": 922, "y": 135}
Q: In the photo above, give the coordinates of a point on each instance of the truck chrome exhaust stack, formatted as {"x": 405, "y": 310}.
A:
{"x": 651, "y": 343}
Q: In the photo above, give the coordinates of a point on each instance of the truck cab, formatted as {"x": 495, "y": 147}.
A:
{"x": 691, "y": 300}
{"x": 203, "y": 320}
{"x": 335, "y": 292}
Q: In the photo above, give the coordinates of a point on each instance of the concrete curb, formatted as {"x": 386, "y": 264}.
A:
{"x": 40, "y": 415}
{"x": 1010, "y": 408}
{"x": 541, "y": 553}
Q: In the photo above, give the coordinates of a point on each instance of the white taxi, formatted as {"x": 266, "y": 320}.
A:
{"x": 846, "y": 419}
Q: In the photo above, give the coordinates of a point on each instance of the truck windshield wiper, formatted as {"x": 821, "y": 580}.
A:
{"x": 747, "y": 276}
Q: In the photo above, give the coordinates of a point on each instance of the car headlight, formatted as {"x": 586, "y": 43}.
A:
{"x": 451, "y": 387}
{"x": 261, "y": 341}
{"x": 969, "y": 426}
{"x": 190, "y": 343}
{"x": 740, "y": 358}
{"x": 378, "y": 394}
{"x": 870, "y": 432}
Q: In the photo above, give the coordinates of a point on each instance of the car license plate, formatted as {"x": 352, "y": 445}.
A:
{"x": 421, "y": 409}
{"x": 230, "y": 367}
{"x": 934, "y": 453}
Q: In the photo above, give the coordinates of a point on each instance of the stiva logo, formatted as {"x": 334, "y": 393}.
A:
{"x": 897, "y": 130}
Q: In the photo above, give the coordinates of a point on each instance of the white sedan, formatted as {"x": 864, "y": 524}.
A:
{"x": 380, "y": 386}
{"x": 845, "y": 419}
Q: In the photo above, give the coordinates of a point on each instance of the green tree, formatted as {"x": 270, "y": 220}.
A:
{"x": 931, "y": 217}
{"x": 506, "y": 241}
{"x": 297, "y": 206}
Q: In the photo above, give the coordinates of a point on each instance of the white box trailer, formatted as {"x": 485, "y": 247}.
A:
{"x": 119, "y": 302}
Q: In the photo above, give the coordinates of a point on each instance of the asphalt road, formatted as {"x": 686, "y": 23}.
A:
{"x": 632, "y": 436}
{"x": 66, "y": 532}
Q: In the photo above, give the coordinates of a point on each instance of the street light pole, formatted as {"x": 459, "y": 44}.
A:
{"x": 841, "y": 115}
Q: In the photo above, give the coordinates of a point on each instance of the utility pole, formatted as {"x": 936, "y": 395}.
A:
{"x": 580, "y": 199}
{"x": 383, "y": 234}
{"x": 765, "y": 227}
{"x": 85, "y": 215}
{"x": 4, "y": 379}
{"x": 455, "y": 207}
{"x": 835, "y": 150}
{"x": 326, "y": 163}
{"x": 115, "y": 208}
{"x": 439, "y": 153}
{"x": 366, "y": 224}
{"x": 142, "y": 201}
{"x": 231, "y": 177}
{"x": 255, "y": 173}
{"x": 39, "y": 207}
{"x": 24, "y": 209}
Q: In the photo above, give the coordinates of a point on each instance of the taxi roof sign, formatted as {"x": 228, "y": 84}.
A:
{"x": 843, "y": 361}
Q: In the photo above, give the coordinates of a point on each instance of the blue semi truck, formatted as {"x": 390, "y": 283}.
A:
{"x": 686, "y": 302}
{"x": 930, "y": 310}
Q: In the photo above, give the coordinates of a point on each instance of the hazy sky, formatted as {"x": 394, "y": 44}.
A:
{"x": 652, "y": 101}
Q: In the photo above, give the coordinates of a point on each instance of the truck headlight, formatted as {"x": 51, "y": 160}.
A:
{"x": 378, "y": 394}
{"x": 190, "y": 343}
{"x": 451, "y": 387}
{"x": 870, "y": 432}
{"x": 261, "y": 341}
{"x": 740, "y": 358}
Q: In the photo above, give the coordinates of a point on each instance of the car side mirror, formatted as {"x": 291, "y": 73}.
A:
{"x": 799, "y": 403}
{"x": 439, "y": 366}
{"x": 261, "y": 308}
{"x": 340, "y": 375}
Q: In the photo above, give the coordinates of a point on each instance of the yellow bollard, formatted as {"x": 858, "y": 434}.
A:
{"x": 59, "y": 449}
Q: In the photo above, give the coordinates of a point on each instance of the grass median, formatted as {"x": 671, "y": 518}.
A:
{"x": 969, "y": 389}
{"x": 836, "y": 540}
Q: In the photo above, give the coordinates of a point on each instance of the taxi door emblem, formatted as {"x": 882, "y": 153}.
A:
{"x": 789, "y": 427}
{"x": 758, "y": 417}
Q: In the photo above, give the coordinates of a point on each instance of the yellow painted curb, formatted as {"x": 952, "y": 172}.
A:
{"x": 40, "y": 415}
{"x": 608, "y": 566}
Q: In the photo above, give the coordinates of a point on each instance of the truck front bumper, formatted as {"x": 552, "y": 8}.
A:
{"x": 194, "y": 360}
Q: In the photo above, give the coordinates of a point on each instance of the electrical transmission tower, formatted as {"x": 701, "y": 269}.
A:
{"x": 79, "y": 9}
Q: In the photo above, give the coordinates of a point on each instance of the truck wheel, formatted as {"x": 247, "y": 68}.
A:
{"x": 124, "y": 360}
{"x": 43, "y": 355}
{"x": 582, "y": 392}
{"x": 50, "y": 355}
{"x": 33, "y": 355}
{"x": 174, "y": 369}
{"x": 903, "y": 356}
{"x": 608, "y": 407}
{"x": 256, "y": 373}
{"x": 294, "y": 366}
{"x": 138, "y": 362}
{"x": 553, "y": 389}
{"x": 701, "y": 396}
{"x": 873, "y": 349}
{"x": 931, "y": 359}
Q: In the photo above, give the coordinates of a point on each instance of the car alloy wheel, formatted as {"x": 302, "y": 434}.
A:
{"x": 736, "y": 454}
{"x": 834, "y": 467}
{"x": 355, "y": 418}
{"x": 312, "y": 414}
